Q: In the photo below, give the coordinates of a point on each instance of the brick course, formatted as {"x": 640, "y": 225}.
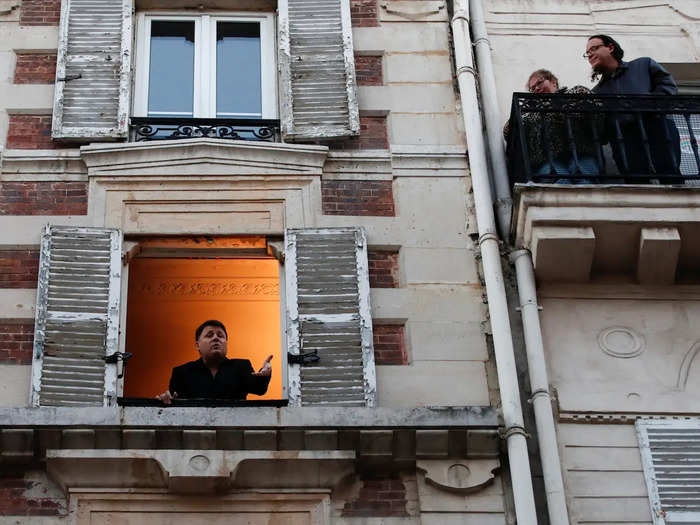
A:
{"x": 364, "y": 13}
{"x": 373, "y": 135}
{"x": 383, "y": 268}
{"x": 358, "y": 197}
{"x": 19, "y": 268}
{"x": 40, "y": 13}
{"x": 389, "y": 344}
{"x": 381, "y": 497}
{"x": 34, "y": 68}
{"x": 16, "y": 341}
{"x": 30, "y": 132}
{"x": 43, "y": 198}
{"x": 368, "y": 70}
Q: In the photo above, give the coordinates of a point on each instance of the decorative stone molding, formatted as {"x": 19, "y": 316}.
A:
{"x": 197, "y": 288}
{"x": 621, "y": 342}
{"x": 460, "y": 477}
{"x": 198, "y": 471}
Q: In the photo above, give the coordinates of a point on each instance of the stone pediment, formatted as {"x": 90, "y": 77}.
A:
{"x": 203, "y": 157}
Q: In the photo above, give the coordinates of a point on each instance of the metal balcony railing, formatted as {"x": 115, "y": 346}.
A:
{"x": 596, "y": 139}
{"x": 158, "y": 128}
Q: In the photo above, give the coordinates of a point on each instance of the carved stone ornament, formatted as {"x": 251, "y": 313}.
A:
{"x": 464, "y": 476}
{"x": 621, "y": 342}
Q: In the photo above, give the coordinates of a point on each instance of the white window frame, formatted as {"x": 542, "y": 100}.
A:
{"x": 204, "y": 104}
{"x": 132, "y": 246}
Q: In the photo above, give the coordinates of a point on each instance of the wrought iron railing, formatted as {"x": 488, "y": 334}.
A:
{"x": 632, "y": 139}
{"x": 154, "y": 128}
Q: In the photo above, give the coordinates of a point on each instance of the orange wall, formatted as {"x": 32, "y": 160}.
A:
{"x": 169, "y": 298}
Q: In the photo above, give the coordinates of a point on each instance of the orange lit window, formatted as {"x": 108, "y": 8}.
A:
{"x": 232, "y": 280}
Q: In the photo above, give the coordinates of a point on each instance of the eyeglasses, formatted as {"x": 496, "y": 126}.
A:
{"x": 537, "y": 84}
{"x": 591, "y": 50}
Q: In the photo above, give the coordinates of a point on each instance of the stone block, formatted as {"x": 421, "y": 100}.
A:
{"x": 139, "y": 439}
{"x": 229, "y": 439}
{"x": 321, "y": 440}
{"x": 432, "y": 443}
{"x": 169, "y": 439}
{"x": 376, "y": 442}
{"x": 78, "y": 438}
{"x": 108, "y": 439}
{"x": 416, "y": 67}
{"x": 291, "y": 440}
{"x": 659, "y": 249}
{"x": 260, "y": 440}
{"x": 563, "y": 254}
{"x": 199, "y": 439}
{"x": 482, "y": 443}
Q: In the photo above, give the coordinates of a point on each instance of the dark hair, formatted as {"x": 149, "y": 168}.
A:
{"x": 544, "y": 73}
{"x": 210, "y": 322}
{"x": 617, "y": 52}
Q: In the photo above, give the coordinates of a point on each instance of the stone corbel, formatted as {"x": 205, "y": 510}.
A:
{"x": 198, "y": 471}
{"x": 459, "y": 476}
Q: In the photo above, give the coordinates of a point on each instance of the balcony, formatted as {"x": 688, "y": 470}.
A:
{"x": 153, "y": 128}
{"x": 611, "y": 195}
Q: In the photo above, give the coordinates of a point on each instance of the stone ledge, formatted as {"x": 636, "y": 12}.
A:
{"x": 621, "y": 226}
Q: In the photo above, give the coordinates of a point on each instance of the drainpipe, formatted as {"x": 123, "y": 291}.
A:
{"x": 515, "y": 434}
{"x": 494, "y": 126}
{"x": 541, "y": 400}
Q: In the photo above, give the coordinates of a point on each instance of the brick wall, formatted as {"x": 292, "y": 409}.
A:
{"x": 16, "y": 340}
{"x": 373, "y": 135}
{"x": 43, "y": 198}
{"x": 383, "y": 268}
{"x": 379, "y": 497}
{"x": 368, "y": 70}
{"x": 364, "y": 13}
{"x": 389, "y": 344}
{"x": 35, "y": 68}
{"x": 19, "y": 268}
{"x": 30, "y": 132}
{"x": 22, "y": 497}
{"x": 40, "y": 13}
{"x": 358, "y": 197}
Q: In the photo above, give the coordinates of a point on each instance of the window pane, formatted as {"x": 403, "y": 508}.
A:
{"x": 171, "y": 72}
{"x": 238, "y": 85}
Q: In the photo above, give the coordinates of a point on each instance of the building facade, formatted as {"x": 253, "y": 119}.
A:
{"x": 335, "y": 222}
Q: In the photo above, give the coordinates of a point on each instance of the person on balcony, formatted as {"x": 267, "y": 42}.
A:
{"x": 642, "y": 76}
{"x": 213, "y": 376}
{"x": 547, "y": 134}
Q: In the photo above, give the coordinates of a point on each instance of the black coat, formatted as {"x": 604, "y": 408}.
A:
{"x": 234, "y": 380}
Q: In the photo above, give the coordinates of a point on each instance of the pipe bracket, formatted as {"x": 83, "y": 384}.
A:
{"x": 540, "y": 392}
{"x": 512, "y": 431}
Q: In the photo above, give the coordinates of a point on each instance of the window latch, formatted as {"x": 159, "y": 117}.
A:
{"x": 69, "y": 77}
{"x": 114, "y": 358}
{"x": 303, "y": 359}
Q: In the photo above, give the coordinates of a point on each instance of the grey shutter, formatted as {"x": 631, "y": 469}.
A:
{"x": 318, "y": 93}
{"x": 77, "y": 317}
{"x": 91, "y": 100}
{"x": 328, "y": 311}
{"x": 670, "y": 452}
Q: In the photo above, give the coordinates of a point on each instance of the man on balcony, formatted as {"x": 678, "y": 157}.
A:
{"x": 642, "y": 76}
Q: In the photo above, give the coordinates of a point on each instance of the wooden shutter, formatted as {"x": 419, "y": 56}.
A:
{"x": 317, "y": 70}
{"x": 92, "y": 73}
{"x": 328, "y": 311}
{"x": 77, "y": 317}
{"x": 670, "y": 452}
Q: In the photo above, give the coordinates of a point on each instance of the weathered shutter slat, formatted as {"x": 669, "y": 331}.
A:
{"x": 92, "y": 71}
{"x": 77, "y": 317}
{"x": 670, "y": 452}
{"x": 317, "y": 70}
{"x": 328, "y": 312}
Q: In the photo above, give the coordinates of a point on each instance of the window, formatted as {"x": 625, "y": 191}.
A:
{"x": 669, "y": 459}
{"x": 205, "y": 66}
{"x": 324, "y": 292}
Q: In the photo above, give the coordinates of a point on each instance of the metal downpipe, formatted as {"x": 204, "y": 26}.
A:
{"x": 493, "y": 275}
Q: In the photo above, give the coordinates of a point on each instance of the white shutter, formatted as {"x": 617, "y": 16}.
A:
{"x": 77, "y": 317}
{"x": 328, "y": 311}
{"x": 670, "y": 452}
{"x": 317, "y": 70}
{"x": 91, "y": 100}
